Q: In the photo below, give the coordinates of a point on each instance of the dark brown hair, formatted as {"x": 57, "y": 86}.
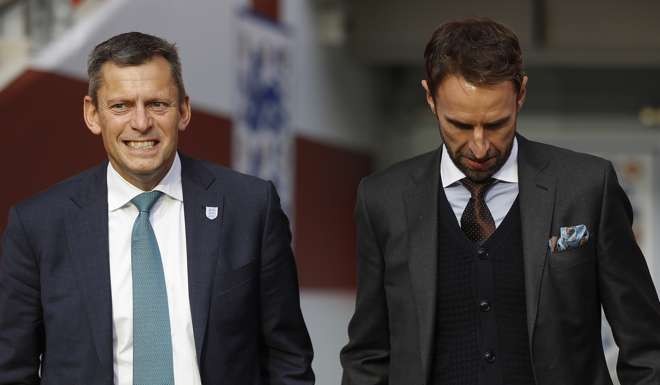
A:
{"x": 481, "y": 50}
{"x": 131, "y": 49}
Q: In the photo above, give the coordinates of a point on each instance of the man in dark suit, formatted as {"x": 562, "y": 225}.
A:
{"x": 153, "y": 268}
{"x": 487, "y": 261}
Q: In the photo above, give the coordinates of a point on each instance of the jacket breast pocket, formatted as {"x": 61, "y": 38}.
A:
{"x": 571, "y": 258}
{"x": 229, "y": 280}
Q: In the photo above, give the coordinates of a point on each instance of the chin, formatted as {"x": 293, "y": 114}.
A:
{"x": 478, "y": 176}
{"x": 145, "y": 165}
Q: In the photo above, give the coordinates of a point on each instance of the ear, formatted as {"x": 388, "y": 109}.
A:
{"x": 91, "y": 115}
{"x": 522, "y": 94}
{"x": 429, "y": 96}
{"x": 185, "y": 114}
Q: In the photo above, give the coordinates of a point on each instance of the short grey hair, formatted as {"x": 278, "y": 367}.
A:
{"x": 132, "y": 49}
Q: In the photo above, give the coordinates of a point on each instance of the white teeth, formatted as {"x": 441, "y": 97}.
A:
{"x": 141, "y": 145}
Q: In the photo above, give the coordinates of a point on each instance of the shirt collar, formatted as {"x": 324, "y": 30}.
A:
{"x": 450, "y": 174}
{"x": 120, "y": 191}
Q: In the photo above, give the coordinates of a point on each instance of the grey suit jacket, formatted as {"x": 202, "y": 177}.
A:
{"x": 392, "y": 331}
{"x": 55, "y": 302}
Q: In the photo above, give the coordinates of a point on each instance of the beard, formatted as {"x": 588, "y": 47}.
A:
{"x": 498, "y": 158}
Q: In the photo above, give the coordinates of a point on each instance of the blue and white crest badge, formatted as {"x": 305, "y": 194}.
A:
{"x": 211, "y": 212}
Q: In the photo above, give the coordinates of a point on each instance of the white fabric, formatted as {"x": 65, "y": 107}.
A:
{"x": 499, "y": 198}
{"x": 167, "y": 220}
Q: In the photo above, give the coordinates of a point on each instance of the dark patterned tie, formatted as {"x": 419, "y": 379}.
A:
{"x": 477, "y": 222}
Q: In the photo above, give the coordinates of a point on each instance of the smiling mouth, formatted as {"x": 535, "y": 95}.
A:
{"x": 141, "y": 144}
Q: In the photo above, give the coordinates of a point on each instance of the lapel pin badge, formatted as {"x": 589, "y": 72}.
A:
{"x": 211, "y": 212}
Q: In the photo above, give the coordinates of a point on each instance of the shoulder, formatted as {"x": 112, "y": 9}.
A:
{"x": 45, "y": 213}
{"x": 245, "y": 199}
{"x": 398, "y": 176}
{"x": 231, "y": 182}
{"x": 567, "y": 162}
{"x": 60, "y": 194}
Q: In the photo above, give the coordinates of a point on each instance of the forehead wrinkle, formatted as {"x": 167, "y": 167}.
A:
{"x": 145, "y": 81}
{"x": 464, "y": 102}
{"x": 136, "y": 91}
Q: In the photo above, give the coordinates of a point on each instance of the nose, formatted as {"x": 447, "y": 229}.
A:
{"x": 479, "y": 143}
{"x": 141, "y": 120}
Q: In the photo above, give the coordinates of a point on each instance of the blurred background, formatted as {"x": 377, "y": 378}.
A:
{"x": 316, "y": 94}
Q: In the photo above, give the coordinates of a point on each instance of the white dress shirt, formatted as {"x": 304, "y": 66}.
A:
{"x": 167, "y": 220}
{"x": 499, "y": 197}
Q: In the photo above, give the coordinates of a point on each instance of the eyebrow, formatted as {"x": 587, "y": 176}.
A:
{"x": 498, "y": 122}
{"x": 460, "y": 124}
{"x": 112, "y": 101}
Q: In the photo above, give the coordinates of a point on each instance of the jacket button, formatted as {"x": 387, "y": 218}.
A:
{"x": 489, "y": 356}
{"x": 485, "y": 306}
{"x": 482, "y": 253}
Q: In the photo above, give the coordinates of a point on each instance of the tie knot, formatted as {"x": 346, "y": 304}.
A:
{"x": 477, "y": 189}
{"x": 145, "y": 201}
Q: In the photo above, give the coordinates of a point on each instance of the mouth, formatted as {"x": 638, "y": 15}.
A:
{"x": 480, "y": 165}
{"x": 141, "y": 145}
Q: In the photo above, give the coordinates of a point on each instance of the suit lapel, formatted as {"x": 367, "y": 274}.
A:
{"x": 203, "y": 235}
{"x": 87, "y": 235}
{"x": 421, "y": 215}
{"x": 537, "y": 200}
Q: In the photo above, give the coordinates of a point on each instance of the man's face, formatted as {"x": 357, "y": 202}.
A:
{"x": 139, "y": 118}
{"x": 477, "y": 123}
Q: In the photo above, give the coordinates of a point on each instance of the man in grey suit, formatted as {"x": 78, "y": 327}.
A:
{"x": 487, "y": 260}
{"x": 152, "y": 268}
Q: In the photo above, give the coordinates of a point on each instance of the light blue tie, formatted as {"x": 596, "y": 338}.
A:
{"x": 152, "y": 342}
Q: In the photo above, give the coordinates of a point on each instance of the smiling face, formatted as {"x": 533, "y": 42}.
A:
{"x": 139, "y": 118}
{"x": 477, "y": 123}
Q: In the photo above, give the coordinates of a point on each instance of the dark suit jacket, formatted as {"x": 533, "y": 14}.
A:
{"x": 55, "y": 284}
{"x": 392, "y": 330}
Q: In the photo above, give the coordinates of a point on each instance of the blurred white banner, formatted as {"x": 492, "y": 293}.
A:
{"x": 262, "y": 139}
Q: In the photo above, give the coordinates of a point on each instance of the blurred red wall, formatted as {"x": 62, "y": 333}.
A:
{"x": 326, "y": 183}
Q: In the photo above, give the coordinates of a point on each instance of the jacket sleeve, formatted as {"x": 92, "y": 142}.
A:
{"x": 287, "y": 350}
{"x": 365, "y": 359}
{"x": 21, "y": 321}
{"x": 628, "y": 296}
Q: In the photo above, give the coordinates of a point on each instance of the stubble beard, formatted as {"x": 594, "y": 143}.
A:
{"x": 479, "y": 176}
